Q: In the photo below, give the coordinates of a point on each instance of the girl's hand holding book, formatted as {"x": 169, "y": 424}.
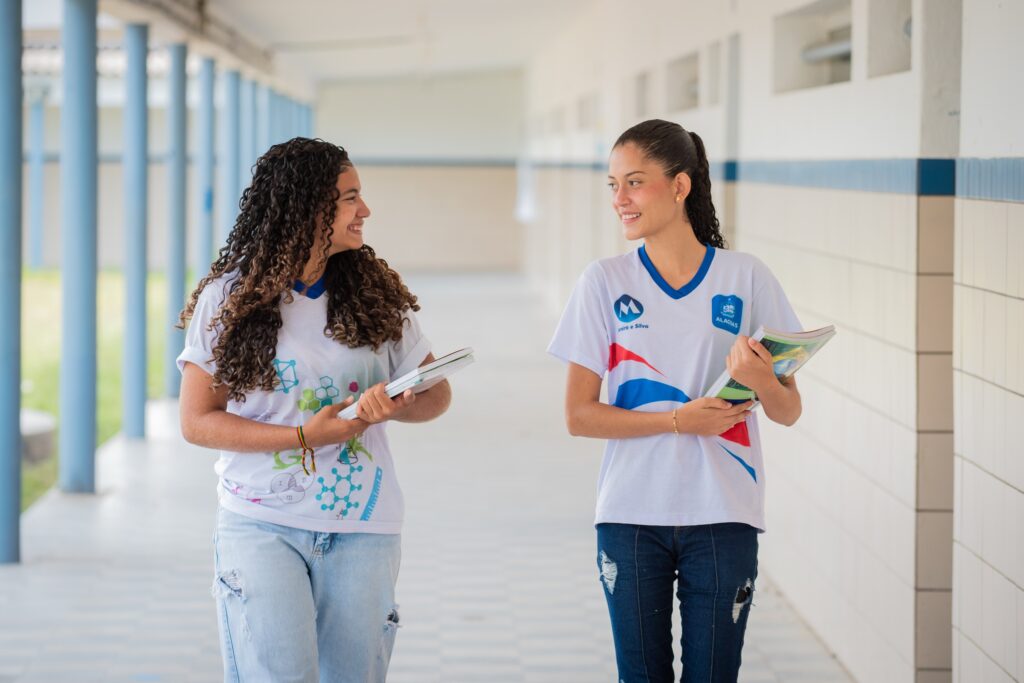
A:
{"x": 326, "y": 429}
{"x": 376, "y": 406}
{"x": 710, "y": 416}
{"x": 750, "y": 364}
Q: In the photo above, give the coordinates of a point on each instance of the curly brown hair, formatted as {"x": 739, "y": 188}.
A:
{"x": 291, "y": 200}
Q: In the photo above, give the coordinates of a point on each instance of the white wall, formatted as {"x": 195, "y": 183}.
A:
{"x": 988, "y": 613}
{"x": 468, "y": 116}
{"x": 992, "y": 104}
{"x": 437, "y": 158}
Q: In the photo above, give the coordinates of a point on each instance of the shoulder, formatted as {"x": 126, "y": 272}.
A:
{"x": 217, "y": 291}
{"x": 739, "y": 260}
{"x": 611, "y": 267}
{"x": 743, "y": 262}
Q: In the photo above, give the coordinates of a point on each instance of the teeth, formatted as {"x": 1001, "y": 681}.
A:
{"x": 628, "y": 216}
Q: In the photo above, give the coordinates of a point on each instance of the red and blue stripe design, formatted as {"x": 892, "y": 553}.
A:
{"x": 641, "y": 391}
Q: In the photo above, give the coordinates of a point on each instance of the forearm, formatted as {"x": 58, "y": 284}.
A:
{"x": 602, "y": 421}
{"x": 226, "y": 431}
{"x": 781, "y": 403}
{"x": 428, "y": 405}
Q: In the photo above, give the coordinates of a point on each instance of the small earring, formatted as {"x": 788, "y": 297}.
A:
{"x": 678, "y": 198}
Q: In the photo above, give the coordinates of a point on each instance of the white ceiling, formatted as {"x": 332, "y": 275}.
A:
{"x": 313, "y": 41}
{"x": 327, "y": 40}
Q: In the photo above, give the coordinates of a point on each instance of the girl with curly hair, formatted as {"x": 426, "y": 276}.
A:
{"x": 296, "y": 319}
{"x": 680, "y": 496}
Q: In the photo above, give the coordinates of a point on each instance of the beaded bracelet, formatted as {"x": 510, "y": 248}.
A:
{"x": 675, "y": 427}
{"x": 305, "y": 449}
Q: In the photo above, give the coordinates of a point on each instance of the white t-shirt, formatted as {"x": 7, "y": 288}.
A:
{"x": 660, "y": 348}
{"x": 349, "y": 492}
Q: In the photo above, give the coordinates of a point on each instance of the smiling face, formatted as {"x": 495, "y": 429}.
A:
{"x": 643, "y": 197}
{"x": 350, "y": 213}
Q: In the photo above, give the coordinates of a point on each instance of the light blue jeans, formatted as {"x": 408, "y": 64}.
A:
{"x": 307, "y": 606}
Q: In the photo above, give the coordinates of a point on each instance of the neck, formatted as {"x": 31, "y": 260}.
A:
{"x": 677, "y": 254}
{"x": 312, "y": 272}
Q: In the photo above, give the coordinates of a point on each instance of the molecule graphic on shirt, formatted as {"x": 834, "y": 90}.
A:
{"x": 288, "y": 487}
{"x": 324, "y": 395}
{"x": 331, "y": 492}
{"x": 286, "y": 374}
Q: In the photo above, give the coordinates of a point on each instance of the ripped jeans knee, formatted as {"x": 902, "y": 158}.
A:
{"x": 744, "y": 598}
{"x": 228, "y": 583}
{"x": 609, "y": 572}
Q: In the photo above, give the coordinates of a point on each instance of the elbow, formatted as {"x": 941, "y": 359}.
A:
{"x": 573, "y": 423}
{"x": 790, "y": 419}
{"x": 188, "y": 432}
{"x": 446, "y": 401}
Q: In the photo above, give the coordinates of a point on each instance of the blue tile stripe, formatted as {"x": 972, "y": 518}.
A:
{"x": 598, "y": 166}
{"x": 998, "y": 179}
{"x": 865, "y": 175}
{"x": 936, "y": 177}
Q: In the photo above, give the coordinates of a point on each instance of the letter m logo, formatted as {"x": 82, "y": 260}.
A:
{"x": 627, "y": 309}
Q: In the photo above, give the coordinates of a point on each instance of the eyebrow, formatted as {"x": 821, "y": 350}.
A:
{"x": 628, "y": 174}
{"x": 348, "y": 192}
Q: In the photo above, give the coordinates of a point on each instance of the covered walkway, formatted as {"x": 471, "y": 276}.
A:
{"x": 498, "y": 580}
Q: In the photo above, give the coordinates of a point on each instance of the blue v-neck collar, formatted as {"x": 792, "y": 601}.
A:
{"x": 314, "y": 290}
{"x": 705, "y": 265}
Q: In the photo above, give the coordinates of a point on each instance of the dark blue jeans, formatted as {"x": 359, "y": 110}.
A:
{"x": 716, "y": 566}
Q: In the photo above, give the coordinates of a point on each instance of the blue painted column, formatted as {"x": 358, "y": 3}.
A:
{"x": 204, "y": 173}
{"x": 177, "y": 158}
{"x": 136, "y": 202}
{"x": 251, "y": 146}
{"x": 275, "y": 118}
{"x": 78, "y": 171}
{"x": 229, "y": 163}
{"x": 36, "y": 178}
{"x": 246, "y": 122}
{"x": 263, "y": 137}
{"x": 10, "y": 280}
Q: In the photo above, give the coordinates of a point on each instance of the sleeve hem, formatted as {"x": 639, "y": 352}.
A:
{"x": 413, "y": 359}
{"x": 567, "y": 358}
{"x": 196, "y": 357}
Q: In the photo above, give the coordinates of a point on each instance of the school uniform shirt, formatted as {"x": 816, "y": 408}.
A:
{"x": 354, "y": 487}
{"x": 660, "y": 348}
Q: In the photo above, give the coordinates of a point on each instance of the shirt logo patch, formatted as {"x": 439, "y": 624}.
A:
{"x": 627, "y": 309}
{"x": 727, "y": 312}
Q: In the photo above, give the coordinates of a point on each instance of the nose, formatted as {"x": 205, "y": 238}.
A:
{"x": 364, "y": 210}
{"x": 619, "y": 197}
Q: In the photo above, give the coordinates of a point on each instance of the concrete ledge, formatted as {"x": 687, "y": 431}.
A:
{"x": 38, "y": 430}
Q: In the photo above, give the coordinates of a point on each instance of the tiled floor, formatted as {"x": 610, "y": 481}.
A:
{"x": 498, "y": 579}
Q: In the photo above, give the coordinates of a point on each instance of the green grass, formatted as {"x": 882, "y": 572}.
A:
{"x": 40, "y": 361}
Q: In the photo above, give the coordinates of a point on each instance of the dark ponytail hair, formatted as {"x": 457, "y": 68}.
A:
{"x": 679, "y": 151}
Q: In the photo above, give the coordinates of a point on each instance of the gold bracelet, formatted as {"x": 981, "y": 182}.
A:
{"x": 675, "y": 426}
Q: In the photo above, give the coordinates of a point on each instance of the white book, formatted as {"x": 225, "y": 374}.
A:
{"x": 421, "y": 378}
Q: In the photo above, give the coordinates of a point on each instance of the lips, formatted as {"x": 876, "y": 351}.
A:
{"x": 629, "y": 217}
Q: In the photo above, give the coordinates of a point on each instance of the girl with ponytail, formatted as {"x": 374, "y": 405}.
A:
{"x": 681, "y": 489}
